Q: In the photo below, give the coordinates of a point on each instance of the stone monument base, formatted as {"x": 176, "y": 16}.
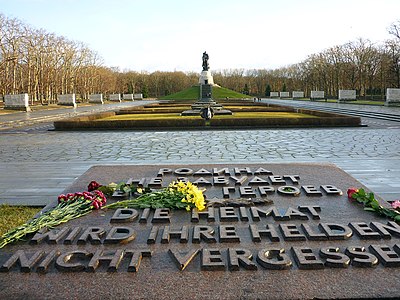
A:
{"x": 306, "y": 240}
{"x": 205, "y": 101}
{"x": 197, "y": 106}
{"x": 206, "y": 78}
{"x": 196, "y": 112}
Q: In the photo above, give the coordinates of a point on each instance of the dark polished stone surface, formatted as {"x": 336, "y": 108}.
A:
{"x": 229, "y": 253}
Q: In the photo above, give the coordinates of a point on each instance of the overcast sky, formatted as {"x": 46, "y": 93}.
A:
{"x": 150, "y": 35}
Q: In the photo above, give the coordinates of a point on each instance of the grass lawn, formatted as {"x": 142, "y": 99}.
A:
{"x": 13, "y": 216}
{"x": 188, "y": 94}
{"x": 367, "y": 102}
{"x": 8, "y": 111}
{"x": 193, "y": 93}
{"x": 222, "y": 93}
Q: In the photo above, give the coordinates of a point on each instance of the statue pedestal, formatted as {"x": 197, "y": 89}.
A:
{"x": 206, "y": 78}
{"x": 206, "y": 101}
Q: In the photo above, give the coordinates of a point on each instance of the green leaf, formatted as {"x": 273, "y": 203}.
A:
{"x": 126, "y": 189}
{"x": 369, "y": 209}
{"x": 120, "y": 186}
{"x": 375, "y": 205}
{"x": 361, "y": 192}
{"x": 106, "y": 190}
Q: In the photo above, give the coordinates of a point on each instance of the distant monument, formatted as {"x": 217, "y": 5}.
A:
{"x": 206, "y": 83}
{"x": 206, "y": 77}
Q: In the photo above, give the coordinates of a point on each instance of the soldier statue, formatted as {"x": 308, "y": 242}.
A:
{"x": 205, "y": 61}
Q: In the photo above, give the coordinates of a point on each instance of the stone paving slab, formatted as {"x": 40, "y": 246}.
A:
{"x": 22, "y": 119}
{"x": 191, "y": 145}
{"x": 32, "y": 157}
{"x": 366, "y": 108}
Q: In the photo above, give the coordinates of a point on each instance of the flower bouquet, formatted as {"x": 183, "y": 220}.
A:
{"x": 178, "y": 195}
{"x": 70, "y": 206}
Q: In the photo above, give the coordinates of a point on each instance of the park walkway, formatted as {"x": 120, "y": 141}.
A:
{"x": 366, "y": 108}
{"x": 28, "y": 119}
{"x": 37, "y": 164}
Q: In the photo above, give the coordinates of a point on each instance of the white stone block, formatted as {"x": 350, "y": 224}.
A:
{"x": 347, "y": 95}
{"x": 284, "y": 95}
{"x": 115, "y": 97}
{"x": 392, "y": 97}
{"x": 19, "y": 102}
{"x": 67, "y": 99}
{"x": 138, "y": 96}
{"x": 96, "y": 98}
{"x": 317, "y": 95}
{"x": 206, "y": 78}
{"x": 297, "y": 94}
{"x": 127, "y": 97}
{"x": 274, "y": 94}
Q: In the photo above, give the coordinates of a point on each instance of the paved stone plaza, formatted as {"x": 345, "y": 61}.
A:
{"x": 37, "y": 164}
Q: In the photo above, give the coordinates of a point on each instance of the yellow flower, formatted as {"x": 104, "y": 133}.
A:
{"x": 191, "y": 194}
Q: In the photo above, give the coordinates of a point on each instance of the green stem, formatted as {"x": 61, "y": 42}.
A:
{"x": 60, "y": 214}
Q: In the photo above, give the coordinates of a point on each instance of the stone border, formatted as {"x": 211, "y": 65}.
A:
{"x": 324, "y": 120}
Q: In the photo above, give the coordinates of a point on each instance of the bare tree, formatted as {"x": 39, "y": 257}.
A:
{"x": 394, "y": 29}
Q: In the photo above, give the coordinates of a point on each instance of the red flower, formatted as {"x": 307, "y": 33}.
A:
{"x": 93, "y": 185}
{"x": 61, "y": 198}
{"x": 351, "y": 191}
{"x": 95, "y": 204}
{"x": 100, "y": 197}
{"x": 395, "y": 204}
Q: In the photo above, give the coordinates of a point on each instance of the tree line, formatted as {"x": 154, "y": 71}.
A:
{"x": 44, "y": 65}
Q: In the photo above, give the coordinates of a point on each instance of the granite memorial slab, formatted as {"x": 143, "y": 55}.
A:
{"x": 297, "y": 94}
{"x": 346, "y": 95}
{"x": 137, "y": 96}
{"x": 17, "y": 102}
{"x": 316, "y": 95}
{"x": 270, "y": 231}
{"x": 274, "y": 94}
{"x": 392, "y": 97}
{"x": 66, "y": 99}
{"x": 284, "y": 95}
{"x": 127, "y": 97}
{"x": 96, "y": 98}
{"x": 115, "y": 97}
